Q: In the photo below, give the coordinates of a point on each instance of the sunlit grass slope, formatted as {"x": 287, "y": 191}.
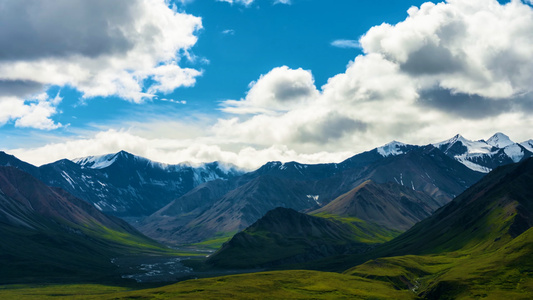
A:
{"x": 267, "y": 285}
{"x": 505, "y": 273}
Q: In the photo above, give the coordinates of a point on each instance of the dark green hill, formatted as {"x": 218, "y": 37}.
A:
{"x": 285, "y": 236}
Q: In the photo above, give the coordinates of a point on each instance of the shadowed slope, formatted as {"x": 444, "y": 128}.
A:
{"x": 285, "y": 236}
{"x": 47, "y": 233}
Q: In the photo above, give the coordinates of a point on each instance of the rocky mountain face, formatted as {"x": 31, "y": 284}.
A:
{"x": 123, "y": 184}
{"x": 230, "y": 206}
{"x": 389, "y": 205}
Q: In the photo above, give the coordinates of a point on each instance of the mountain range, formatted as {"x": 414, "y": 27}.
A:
{"x": 230, "y": 206}
{"x": 122, "y": 184}
{"x": 185, "y": 204}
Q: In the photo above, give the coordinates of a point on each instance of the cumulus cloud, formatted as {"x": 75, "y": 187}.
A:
{"x": 99, "y": 47}
{"x": 474, "y": 47}
{"x": 346, "y": 44}
{"x": 35, "y": 112}
{"x": 282, "y": 89}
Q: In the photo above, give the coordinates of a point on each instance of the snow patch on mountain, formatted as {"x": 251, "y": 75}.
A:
{"x": 68, "y": 178}
{"x": 96, "y": 162}
{"x": 315, "y": 198}
{"x": 391, "y": 149}
{"x": 473, "y": 166}
{"x": 514, "y": 152}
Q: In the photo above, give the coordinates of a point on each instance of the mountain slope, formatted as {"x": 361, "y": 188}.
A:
{"x": 371, "y": 213}
{"x": 389, "y": 204}
{"x": 48, "y": 232}
{"x": 487, "y": 215}
{"x": 232, "y": 212}
{"x": 480, "y": 245}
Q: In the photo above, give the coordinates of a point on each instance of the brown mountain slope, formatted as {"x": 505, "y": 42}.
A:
{"x": 388, "y": 204}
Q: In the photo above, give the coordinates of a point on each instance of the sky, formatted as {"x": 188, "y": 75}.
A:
{"x": 245, "y": 82}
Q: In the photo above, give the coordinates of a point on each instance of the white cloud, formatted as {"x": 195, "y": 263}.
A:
{"x": 100, "y": 47}
{"x": 168, "y": 151}
{"x": 34, "y": 113}
{"x": 228, "y": 32}
{"x": 243, "y": 2}
{"x": 475, "y": 47}
{"x": 282, "y": 89}
{"x": 174, "y": 101}
{"x": 249, "y": 2}
{"x": 346, "y": 44}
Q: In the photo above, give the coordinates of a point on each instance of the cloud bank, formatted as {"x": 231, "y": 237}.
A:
{"x": 101, "y": 48}
{"x": 454, "y": 67}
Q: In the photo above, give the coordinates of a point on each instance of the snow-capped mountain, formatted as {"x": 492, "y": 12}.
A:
{"x": 483, "y": 156}
{"x": 200, "y": 174}
{"x": 123, "y": 184}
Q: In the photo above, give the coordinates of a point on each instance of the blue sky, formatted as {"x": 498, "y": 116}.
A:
{"x": 198, "y": 86}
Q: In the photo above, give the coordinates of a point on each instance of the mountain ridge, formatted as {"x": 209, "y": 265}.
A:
{"x": 127, "y": 186}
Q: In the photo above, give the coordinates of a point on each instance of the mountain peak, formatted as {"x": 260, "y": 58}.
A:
{"x": 500, "y": 140}
{"x": 528, "y": 145}
{"x": 453, "y": 140}
{"x": 124, "y": 153}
